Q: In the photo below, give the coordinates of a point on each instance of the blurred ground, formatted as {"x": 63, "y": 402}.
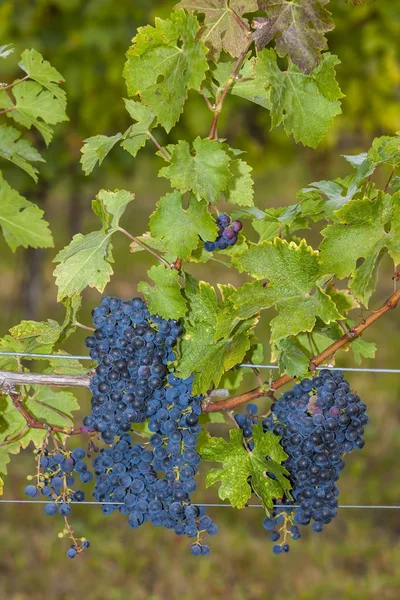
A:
{"x": 357, "y": 557}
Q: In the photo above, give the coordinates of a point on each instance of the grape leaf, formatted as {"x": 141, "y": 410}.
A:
{"x": 305, "y": 104}
{"x": 95, "y": 149}
{"x": 244, "y": 472}
{"x": 240, "y": 186}
{"x": 34, "y": 106}
{"x": 224, "y": 25}
{"x": 21, "y": 221}
{"x": 45, "y": 332}
{"x": 52, "y": 407}
{"x": 180, "y": 229}
{"x": 385, "y": 150}
{"x": 86, "y": 260}
{"x": 256, "y": 89}
{"x": 298, "y": 27}
{"x": 206, "y": 172}
{"x": 138, "y": 134}
{"x": 364, "y": 229}
{"x": 72, "y": 307}
{"x": 6, "y": 50}
{"x": 20, "y": 152}
{"x": 216, "y": 337}
{"x": 165, "y": 62}
{"x": 293, "y": 272}
{"x": 165, "y": 299}
{"x": 28, "y": 345}
{"x": 40, "y": 70}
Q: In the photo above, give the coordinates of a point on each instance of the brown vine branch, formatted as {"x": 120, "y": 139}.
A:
{"x": 156, "y": 143}
{"x": 232, "y": 78}
{"x": 10, "y": 85}
{"x": 33, "y": 423}
{"x": 145, "y": 247}
{"x": 7, "y": 110}
{"x": 317, "y": 360}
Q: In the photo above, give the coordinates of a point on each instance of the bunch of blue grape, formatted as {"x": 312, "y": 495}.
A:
{"x": 128, "y": 480}
{"x": 55, "y": 479}
{"x": 228, "y": 233}
{"x": 319, "y": 421}
{"x": 132, "y": 349}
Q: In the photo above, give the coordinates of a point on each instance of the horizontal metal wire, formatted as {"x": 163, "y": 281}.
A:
{"x": 244, "y": 365}
{"x": 355, "y": 506}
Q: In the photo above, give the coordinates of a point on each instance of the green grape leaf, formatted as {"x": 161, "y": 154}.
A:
{"x": 362, "y": 349}
{"x": 246, "y": 472}
{"x": 34, "y": 106}
{"x": 28, "y": 345}
{"x": 165, "y": 298}
{"x": 298, "y": 27}
{"x": 304, "y": 104}
{"x": 138, "y": 134}
{"x": 240, "y": 186}
{"x": 224, "y": 25}
{"x": 6, "y": 50}
{"x": 40, "y": 70}
{"x": 364, "y": 229}
{"x": 385, "y": 150}
{"x": 67, "y": 366}
{"x": 165, "y": 62}
{"x": 206, "y": 172}
{"x": 20, "y": 152}
{"x": 52, "y": 407}
{"x": 180, "y": 229}
{"x": 216, "y": 337}
{"x": 256, "y": 88}
{"x": 45, "y": 332}
{"x": 293, "y": 272}
{"x": 21, "y": 221}
{"x": 292, "y": 358}
{"x": 86, "y": 261}
{"x": 95, "y": 149}
{"x": 72, "y": 307}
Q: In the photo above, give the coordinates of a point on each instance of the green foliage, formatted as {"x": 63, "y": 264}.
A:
{"x": 165, "y": 297}
{"x": 165, "y": 62}
{"x": 293, "y": 272}
{"x": 39, "y": 103}
{"x": 86, "y": 261}
{"x": 365, "y": 228}
{"x": 179, "y": 229}
{"x": 304, "y": 103}
{"x": 21, "y": 221}
{"x": 224, "y": 25}
{"x": 243, "y": 471}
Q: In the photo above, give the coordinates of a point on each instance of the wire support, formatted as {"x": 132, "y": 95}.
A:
{"x": 218, "y": 505}
{"x": 242, "y": 365}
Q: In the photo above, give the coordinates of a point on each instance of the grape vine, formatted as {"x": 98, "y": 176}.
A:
{"x": 156, "y": 358}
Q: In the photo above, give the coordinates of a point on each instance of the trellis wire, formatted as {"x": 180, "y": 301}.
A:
{"x": 243, "y": 365}
{"x": 356, "y": 506}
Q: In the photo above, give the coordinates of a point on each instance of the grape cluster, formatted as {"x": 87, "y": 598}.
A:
{"x": 227, "y": 233}
{"x": 319, "y": 421}
{"x": 132, "y": 349}
{"x": 55, "y": 478}
{"x": 127, "y": 476}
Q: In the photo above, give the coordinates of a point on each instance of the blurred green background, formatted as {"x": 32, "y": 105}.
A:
{"x": 358, "y": 555}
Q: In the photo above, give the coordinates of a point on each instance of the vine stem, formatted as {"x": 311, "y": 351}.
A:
{"x": 10, "y": 378}
{"x": 142, "y": 245}
{"x": 7, "y": 110}
{"x": 10, "y": 85}
{"x": 232, "y": 78}
{"x": 33, "y": 423}
{"x": 161, "y": 149}
{"x": 330, "y": 351}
